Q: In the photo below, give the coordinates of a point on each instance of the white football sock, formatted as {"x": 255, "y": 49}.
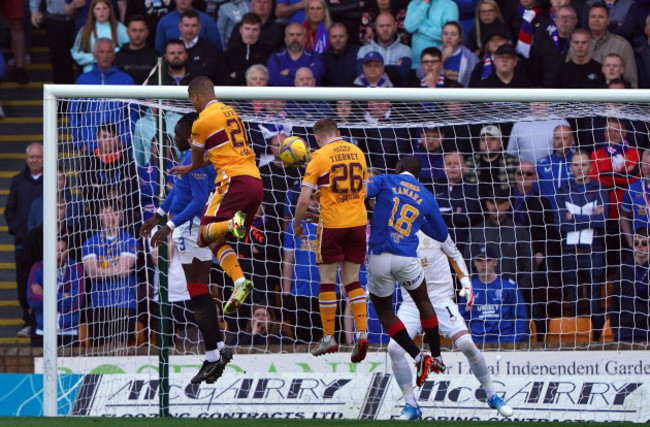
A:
{"x": 402, "y": 371}
{"x": 476, "y": 362}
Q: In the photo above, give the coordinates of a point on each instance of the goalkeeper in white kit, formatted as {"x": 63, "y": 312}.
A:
{"x": 435, "y": 258}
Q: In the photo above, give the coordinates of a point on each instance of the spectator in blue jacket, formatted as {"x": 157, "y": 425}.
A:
{"x": 425, "y": 19}
{"x": 554, "y": 171}
{"x": 284, "y": 64}
{"x": 168, "y": 27}
{"x": 396, "y": 55}
{"x": 70, "y": 285}
{"x": 86, "y": 115}
{"x": 499, "y": 314}
{"x": 582, "y": 209}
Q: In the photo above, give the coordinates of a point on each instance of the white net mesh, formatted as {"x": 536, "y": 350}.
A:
{"x": 565, "y": 272}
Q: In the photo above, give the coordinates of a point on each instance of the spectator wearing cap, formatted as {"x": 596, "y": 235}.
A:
{"x": 499, "y": 314}
{"x": 492, "y": 166}
{"x": 582, "y": 209}
{"x": 506, "y": 74}
{"x": 511, "y": 241}
{"x": 373, "y": 74}
{"x": 550, "y": 47}
{"x": 284, "y": 64}
{"x": 580, "y": 71}
{"x": 458, "y": 199}
{"x": 484, "y": 69}
{"x": 396, "y": 55}
{"x": 340, "y": 58}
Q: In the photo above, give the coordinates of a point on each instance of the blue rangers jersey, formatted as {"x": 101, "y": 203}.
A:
{"x": 190, "y": 192}
{"x": 403, "y": 207}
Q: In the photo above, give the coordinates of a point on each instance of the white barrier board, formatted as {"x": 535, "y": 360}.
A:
{"x": 585, "y": 386}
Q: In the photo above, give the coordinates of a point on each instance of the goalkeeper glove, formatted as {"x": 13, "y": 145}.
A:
{"x": 467, "y": 293}
{"x": 438, "y": 366}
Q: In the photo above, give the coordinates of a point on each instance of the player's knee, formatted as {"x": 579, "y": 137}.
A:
{"x": 395, "y": 351}
{"x": 468, "y": 348}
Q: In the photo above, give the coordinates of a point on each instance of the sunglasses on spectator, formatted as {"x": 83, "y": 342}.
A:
{"x": 641, "y": 243}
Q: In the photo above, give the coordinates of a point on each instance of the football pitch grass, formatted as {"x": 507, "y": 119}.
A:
{"x": 203, "y": 422}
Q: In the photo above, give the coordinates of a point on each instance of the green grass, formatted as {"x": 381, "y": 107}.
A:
{"x": 199, "y": 422}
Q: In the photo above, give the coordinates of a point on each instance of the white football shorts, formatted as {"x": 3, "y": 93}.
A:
{"x": 385, "y": 269}
{"x": 184, "y": 237}
{"x": 450, "y": 321}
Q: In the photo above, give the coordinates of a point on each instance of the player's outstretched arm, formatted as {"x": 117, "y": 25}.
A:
{"x": 459, "y": 266}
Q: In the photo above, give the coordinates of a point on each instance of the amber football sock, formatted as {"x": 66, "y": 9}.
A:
{"x": 327, "y": 303}
{"x": 228, "y": 261}
{"x": 357, "y": 298}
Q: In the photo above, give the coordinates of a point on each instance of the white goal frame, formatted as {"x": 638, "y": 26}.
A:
{"x": 52, "y": 93}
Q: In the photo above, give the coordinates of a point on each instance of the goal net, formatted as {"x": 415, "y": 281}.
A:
{"x": 545, "y": 197}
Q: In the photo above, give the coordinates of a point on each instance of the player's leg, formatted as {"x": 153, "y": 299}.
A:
{"x": 354, "y": 249}
{"x": 453, "y": 326}
{"x": 327, "y": 303}
{"x": 402, "y": 372}
{"x": 205, "y": 312}
{"x": 381, "y": 285}
{"x": 357, "y": 299}
{"x": 411, "y": 276}
{"x": 197, "y": 263}
{"x": 240, "y": 194}
{"x": 477, "y": 363}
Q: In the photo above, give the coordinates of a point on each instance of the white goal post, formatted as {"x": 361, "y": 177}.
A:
{"x": 53, "y": 93}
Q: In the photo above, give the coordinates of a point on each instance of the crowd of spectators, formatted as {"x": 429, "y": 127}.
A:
{"x": 558, "y": 206}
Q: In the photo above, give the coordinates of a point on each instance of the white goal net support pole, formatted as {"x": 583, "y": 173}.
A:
{"x": 54, "y": 93}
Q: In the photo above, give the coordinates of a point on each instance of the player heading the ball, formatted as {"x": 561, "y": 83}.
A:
{"x": 219, "y": 138}
{"x": 339, "y": 170}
